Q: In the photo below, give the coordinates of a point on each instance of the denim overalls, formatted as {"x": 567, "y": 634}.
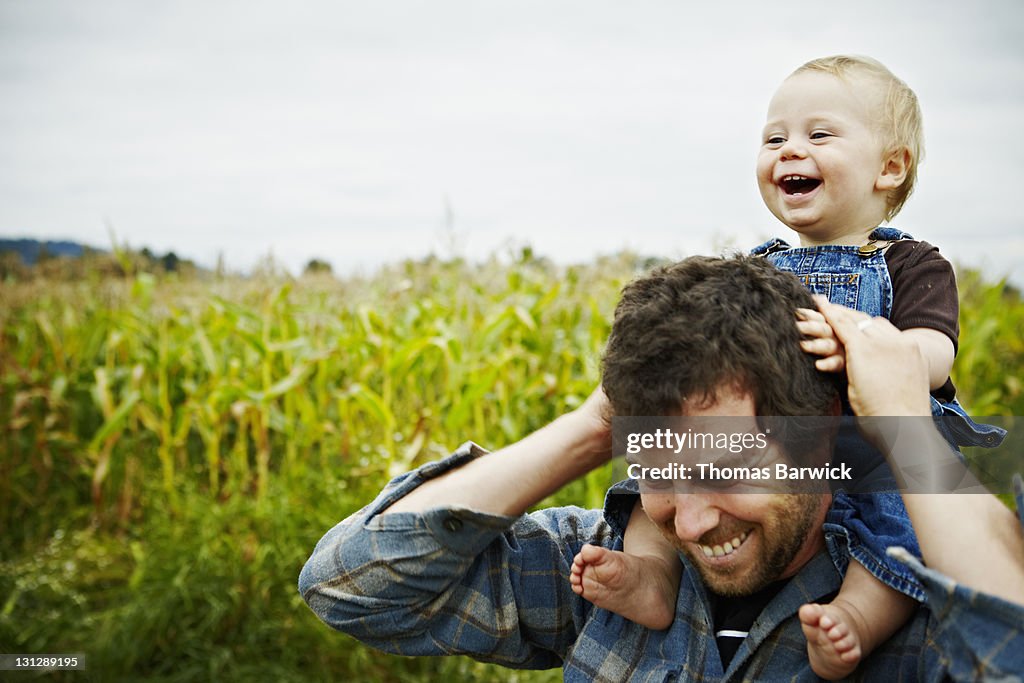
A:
{"x": 858, "y": 277}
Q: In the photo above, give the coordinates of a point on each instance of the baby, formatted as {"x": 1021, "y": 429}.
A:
{"x": 839, "y": 156}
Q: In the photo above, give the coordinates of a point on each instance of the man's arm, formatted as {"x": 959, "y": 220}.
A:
{"x": 509, "y": 481}
{"x": 442, "y": 562}
{"x": 971, "y": 538}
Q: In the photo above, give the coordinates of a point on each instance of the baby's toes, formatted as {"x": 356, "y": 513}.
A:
{"x": 838, "y": 632}
{"x": 810, "y": 614}
{"x": 845, "y": 643}
{"x": 591, "y": 554}
{"x": 851, "y": 655}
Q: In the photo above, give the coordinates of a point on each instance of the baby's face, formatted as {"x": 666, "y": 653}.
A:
{"x": 821, "y": 158}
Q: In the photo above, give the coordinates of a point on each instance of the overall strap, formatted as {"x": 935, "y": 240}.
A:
{"x": 889, "y": 234}
{"x": 879, "y": 239}
{"x": 770, "y": 247}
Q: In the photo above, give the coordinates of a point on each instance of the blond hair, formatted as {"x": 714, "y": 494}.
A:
{"x": 900, "y": 123}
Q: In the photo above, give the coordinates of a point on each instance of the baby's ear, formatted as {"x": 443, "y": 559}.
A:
{"x": 894, "y": 169}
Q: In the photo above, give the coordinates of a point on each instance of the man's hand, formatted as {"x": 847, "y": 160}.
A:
{"x": 888, "y": 375}
{"x": 596, "y": 416}
{"x": 973, "y": 539}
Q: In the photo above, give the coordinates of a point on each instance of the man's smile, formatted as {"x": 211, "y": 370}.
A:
{"x": 725, "y": 549}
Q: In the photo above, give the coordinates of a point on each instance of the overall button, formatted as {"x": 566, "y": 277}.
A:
{"x": 452, "y": 524}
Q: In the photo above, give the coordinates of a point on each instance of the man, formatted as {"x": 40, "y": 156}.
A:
{"x": 444, "y": 561}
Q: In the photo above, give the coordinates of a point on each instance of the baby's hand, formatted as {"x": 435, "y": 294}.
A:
{"x": 823, "y": 341}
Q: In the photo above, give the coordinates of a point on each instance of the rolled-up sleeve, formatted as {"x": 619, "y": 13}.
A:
{"x": 977, "y": 636}
{"x": 452, "y": 580}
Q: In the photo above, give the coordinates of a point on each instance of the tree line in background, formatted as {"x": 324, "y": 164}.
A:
{"x": 27, "y": 259}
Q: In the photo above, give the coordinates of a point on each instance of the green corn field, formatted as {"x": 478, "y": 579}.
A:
{"x": 171, "y": 449}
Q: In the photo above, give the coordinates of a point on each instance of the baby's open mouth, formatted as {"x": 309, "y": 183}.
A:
{"x": 798, "y": 184}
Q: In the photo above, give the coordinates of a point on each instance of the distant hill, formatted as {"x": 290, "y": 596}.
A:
{"x": 26, "y": 258}
{"x": 29, "y": 249}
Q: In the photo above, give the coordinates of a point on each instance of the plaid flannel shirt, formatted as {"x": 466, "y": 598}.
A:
{"x": 456, "y": 581}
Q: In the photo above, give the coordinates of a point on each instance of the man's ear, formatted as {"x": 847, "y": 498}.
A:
{"x": 894, "y": 169}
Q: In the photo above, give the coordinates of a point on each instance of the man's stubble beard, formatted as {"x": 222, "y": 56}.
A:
{"x": 781, "y": 537}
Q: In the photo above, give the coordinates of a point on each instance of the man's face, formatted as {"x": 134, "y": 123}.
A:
{"x": 739, "y": 542}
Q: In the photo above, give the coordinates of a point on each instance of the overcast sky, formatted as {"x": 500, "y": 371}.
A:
{"x": 348, "y": 130}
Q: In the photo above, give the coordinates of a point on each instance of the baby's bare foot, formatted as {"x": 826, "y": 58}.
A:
{"x": 638, "y": 588}
{"x": 833, "y": 639}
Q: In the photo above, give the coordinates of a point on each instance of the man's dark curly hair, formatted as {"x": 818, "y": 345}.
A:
{"x": 688, "y": 329}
